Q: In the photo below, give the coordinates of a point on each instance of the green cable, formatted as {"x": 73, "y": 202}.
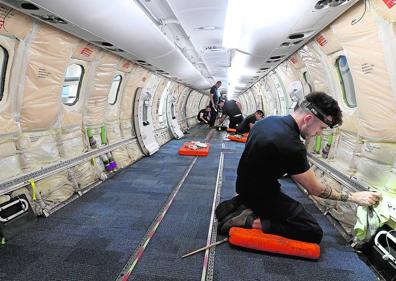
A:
{"x": 318, "y": 143}
{"x": 103, "y": 136}
{"x": 89, "y": 133}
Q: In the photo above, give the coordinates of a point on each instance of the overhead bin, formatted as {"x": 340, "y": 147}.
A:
{"x": 125, "y": 26}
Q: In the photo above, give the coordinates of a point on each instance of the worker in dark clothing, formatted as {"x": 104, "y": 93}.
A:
{"x": 274, "y": 148}
{"x": 248, "y": 122}
{"x": 233, "y": 110}
{"x": 214, "y": 102}
{"x": 204, "y": 115}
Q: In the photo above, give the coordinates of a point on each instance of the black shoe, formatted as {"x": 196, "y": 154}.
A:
{"x": 244, "y": 219}
{"x": 226, "y": 207}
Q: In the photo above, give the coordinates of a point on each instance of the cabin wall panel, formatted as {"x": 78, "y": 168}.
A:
{"x": 48, "y": 58}
{"x": 96, "y": 104}
{"x": 365, "y": 52}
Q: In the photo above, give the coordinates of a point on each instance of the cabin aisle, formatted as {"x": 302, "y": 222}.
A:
{"x": 139, "y": 223}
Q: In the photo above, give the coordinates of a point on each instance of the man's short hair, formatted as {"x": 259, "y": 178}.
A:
{"x": 322, "y": 105}
{"x": 260, "y": 112}
{"x": 208, "y": 106}
{"x": 218, "y": 82}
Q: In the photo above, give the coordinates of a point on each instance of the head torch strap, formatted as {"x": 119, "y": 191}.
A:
{"x": 318, "y": 113}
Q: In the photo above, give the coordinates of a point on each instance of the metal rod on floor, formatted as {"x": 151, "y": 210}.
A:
{"x": 206, "y": 247}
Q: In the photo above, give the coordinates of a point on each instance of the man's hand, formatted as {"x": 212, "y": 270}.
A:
{"x": 365, "y": 198}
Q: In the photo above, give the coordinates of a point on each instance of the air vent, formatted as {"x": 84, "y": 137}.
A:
{"x": 276, "y": 57}
{"x": 51, "y": 19}
{"x": 29, "y": 6}
{"x": 141, "y": 61}
{"x": 285, "y": 44}
{"x": 297, "y": 42}
{"x": 264, "y": 68}
{"x": 117, "y": 50}
{"x": 106, "y": 44}
{"x": 214, "y": 49}
{"x": 323, "y": 4}
{"x": 296, "y": 36}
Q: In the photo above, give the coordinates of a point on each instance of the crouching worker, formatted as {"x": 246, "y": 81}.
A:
{"x": 248, "y": 122}
{"x": 204, "y": 115}
{"x": 274, "y": 148}
{"x": 233, "y": 110}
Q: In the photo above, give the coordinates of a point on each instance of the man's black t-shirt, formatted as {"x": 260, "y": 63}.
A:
{"x": 216, "y": 98}
{"x": 205, "y": 114}
{"x": 231, "y": 109}
{"x": 244, "y": 127}
{"x": 273, "y": 149}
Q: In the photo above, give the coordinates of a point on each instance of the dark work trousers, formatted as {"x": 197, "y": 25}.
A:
{"x": 213, "y": 115}
{"x": 234, "y": 121}
{"x": 284, "y": 216}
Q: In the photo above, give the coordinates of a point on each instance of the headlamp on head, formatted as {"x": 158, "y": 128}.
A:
{"x": 318, "y": 113}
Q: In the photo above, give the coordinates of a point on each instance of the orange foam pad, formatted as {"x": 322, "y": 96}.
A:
{"x": 257, "y": 240}
{"x": 184, "y": 150}
{"x": 230, "y": 130}
{"x": 234, "y": 138}
{"x": 245, "y": 134}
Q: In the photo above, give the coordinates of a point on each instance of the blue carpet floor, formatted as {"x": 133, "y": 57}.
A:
{"x": 93, "y": 237}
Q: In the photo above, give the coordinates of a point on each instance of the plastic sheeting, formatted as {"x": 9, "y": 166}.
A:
{"x": 136, "y": 79}
{"x": 346, "y": 148}
{"x": 97, "y": 101}
{"x": 38, "y": 149}
{"x": 374, "y": 173}
{"x": 315, "y": 68}
{"x": 7, "y": 122}
{"x": 9, "y": 164}
{"x": 328, "y": 42}
{"x": 376, "y": 103}
{"x": 55, "y": 189}
{"x": 86, "y": 51}
{"x": 296, "y": 61}
{"x": 379, "y": 6}
{"x": 48, "y": 57}
{"x": 14, "y": 23}
{"x": 72, "y": 143}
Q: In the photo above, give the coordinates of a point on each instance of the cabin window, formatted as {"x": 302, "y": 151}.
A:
{"x": 346, "y": 81}
{"x": 72, "y": 84}
{"x": 115, "y": 88}
{"x": 162, "y": 105}
{"x": 146, "y": 105}
{"x": 3, "y": 68}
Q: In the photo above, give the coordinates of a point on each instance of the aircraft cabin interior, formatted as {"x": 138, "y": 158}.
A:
{"x": 109, "y": 172}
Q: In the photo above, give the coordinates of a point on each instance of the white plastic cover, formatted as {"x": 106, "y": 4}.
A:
{"x": 315, "y": 68}
{"x": 97, "y": 100}
{"x": 376, "y": 103}
{"x": 86, "y": 51}
{"x": 48, "y": 58}
{"x": 9, "y": 164}
{"x": 13, "y": 23}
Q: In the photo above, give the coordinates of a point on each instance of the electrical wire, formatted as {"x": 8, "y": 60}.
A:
{"x": 355, "y": 21}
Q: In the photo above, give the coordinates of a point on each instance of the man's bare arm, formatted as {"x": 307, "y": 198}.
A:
{"x": 309, "y": 181}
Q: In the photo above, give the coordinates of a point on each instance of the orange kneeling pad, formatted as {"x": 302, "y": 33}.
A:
{"x": 257, "y": 240}
{"x": 235, "y": 138}
{"x": 231, "y": 130}
{"x": 192, "y": 148}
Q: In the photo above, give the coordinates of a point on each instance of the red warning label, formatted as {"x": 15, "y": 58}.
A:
{"x": 86, "y": 52}
{"x": 321, "y": 40}
{"x": 390, "y": 3}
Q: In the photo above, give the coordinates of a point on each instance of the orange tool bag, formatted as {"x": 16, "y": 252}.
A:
{"x": 237, "y": 138}
{"x": 257, "y": 240}
{"x": 194, "y": 148}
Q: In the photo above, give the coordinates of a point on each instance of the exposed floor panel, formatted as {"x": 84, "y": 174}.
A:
{"x": 94, "y": 237}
